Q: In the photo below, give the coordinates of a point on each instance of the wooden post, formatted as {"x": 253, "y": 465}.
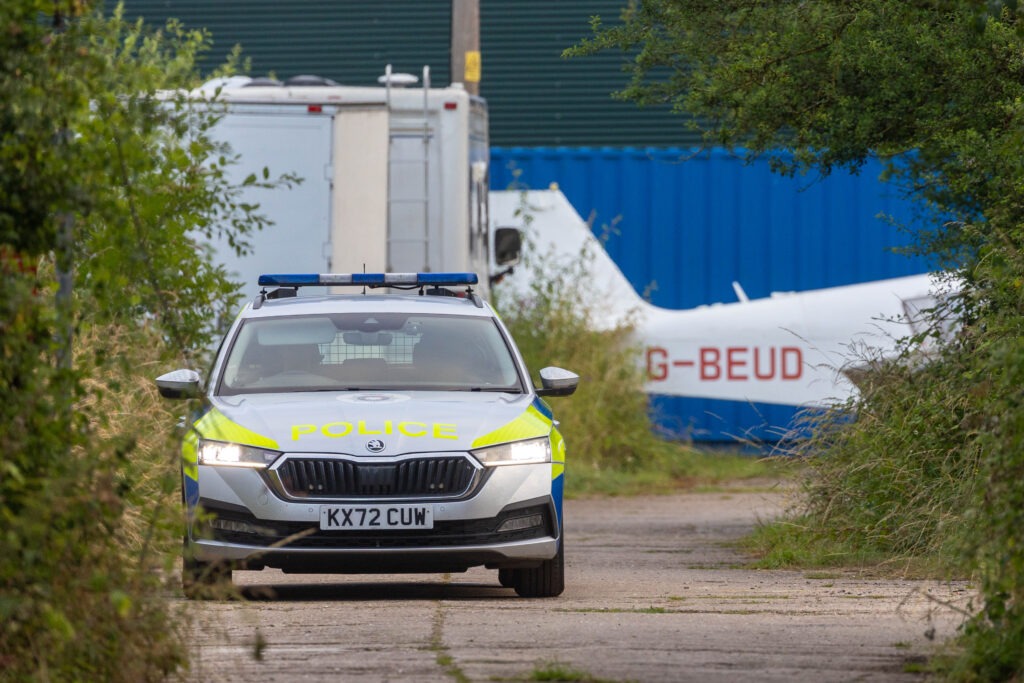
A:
{"x": 465, "y": 45}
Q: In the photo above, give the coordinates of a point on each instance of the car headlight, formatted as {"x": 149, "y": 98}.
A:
{"x": 234, "y": 455}
{"x": 515, "y": 453}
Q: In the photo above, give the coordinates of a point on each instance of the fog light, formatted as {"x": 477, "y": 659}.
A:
{"x": 240, "y": 527}
{"x": 520, "y": 523}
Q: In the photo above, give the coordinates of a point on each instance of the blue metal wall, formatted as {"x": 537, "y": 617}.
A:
{"x": 684, "y": 227}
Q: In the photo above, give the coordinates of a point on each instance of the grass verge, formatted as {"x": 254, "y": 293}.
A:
{"x": 796, "y": 543}
{"x": 678, "y": 468}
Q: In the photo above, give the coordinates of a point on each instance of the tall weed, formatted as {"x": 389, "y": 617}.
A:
{"x": 554, "y": 322}
{"x": 85, "y": 497}
{"x": 927, "y": 464}
{"x": 897, "y": 477}
{"x": 994, "y": 541}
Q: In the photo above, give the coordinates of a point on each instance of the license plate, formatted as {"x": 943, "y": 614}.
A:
{"x": 346, "y": 517}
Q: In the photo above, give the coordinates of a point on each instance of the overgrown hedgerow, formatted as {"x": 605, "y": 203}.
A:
{"x": 928, "y": 461}
{"x": 993, "y": 540}
{"x": 86, "y": 508}
{"x": 925, "y": 468}
{"x": 898, "y": 478}
{"x": 104, "y": 188}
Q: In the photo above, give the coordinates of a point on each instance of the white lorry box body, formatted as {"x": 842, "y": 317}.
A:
{"x": 393, "y": 178}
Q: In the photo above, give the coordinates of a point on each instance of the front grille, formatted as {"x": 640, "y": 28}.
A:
{"x": 331, "y": 478}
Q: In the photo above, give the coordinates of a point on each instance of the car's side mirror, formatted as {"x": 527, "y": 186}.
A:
{"x": 557, "y": 382}
{"x": 508, "y": 246}
{"x": 180, "y": 384}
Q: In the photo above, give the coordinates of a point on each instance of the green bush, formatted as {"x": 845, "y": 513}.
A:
{"x": 925, "y": 468}
{"x": 103, "y": 190}
{"x": 555, "y": 322}
{"x": 613, "y": 448}
{"x": 897, "y": 477}
{"x": 85, "y": 519}
{"x": 994, "y": 522}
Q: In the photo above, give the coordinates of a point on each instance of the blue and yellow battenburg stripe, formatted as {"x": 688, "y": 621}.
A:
{"x": 216, "y": 426}
{"x": 536, "y": 421}
{"x": 531, "y": 424}
{"x": 557, "y": 456}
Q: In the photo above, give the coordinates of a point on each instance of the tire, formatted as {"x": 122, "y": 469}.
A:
{"x": 507, "y": 578}
{"x": 545, "y": 581}
{"x": 204, "y": 580}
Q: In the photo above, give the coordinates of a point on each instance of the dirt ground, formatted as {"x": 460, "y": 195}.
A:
{"x": 654, "y": 592}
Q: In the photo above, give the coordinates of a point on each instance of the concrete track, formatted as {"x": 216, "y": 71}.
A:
{"x": 654, "y": 592}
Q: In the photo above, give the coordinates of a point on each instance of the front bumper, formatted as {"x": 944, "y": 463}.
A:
{"x": 245, "y": 522}
{"x": 383, "y": 560}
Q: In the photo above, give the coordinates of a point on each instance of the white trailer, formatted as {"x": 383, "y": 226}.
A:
{"x": 394, "y": 178}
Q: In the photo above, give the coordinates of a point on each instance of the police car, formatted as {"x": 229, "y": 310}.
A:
{"x": 368, "y": 433}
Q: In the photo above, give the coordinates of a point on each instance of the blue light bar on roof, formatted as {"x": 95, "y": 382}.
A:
{"x": 367, "y": 279}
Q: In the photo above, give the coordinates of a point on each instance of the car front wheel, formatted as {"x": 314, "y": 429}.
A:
{"x": 507, "y": 578}
{"x": 545, "y": 581}
{"x": 204, "y": 580}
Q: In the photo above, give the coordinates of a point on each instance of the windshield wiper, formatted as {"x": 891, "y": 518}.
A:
{"x": 500, "y": 390}
{"x": 339, "y": 389}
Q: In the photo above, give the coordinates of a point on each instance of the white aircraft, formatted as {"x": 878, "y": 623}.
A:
{"x": 788, "y": 349}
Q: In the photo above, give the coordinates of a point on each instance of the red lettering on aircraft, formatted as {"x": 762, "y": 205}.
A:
{"x": 657, "y": 369}
{"x": 731, "y": 363}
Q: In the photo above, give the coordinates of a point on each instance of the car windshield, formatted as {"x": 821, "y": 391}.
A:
{"x": 350, "y": 352}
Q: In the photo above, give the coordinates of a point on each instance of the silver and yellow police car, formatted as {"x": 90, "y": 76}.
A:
{"x": 372, "y": 433}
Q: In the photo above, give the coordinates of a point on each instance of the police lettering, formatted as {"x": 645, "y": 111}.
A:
{"x": 334, "y": 430}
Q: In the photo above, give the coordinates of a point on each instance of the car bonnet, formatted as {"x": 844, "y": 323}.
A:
{"x": 375, "y": 423}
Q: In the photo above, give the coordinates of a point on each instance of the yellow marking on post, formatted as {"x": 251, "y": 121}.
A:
{"x": 472, "y": 71}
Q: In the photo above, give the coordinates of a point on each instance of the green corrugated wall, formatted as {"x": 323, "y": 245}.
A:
{"x": 536, "y": 98}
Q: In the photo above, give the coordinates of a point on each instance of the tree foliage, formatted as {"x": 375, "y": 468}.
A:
{"x": 933, "y": 462}
{"x": 930, "y": 85}
{"x": 109, "y": 186}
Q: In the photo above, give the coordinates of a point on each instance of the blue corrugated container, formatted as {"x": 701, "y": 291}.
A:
{"x": 684, "y": 226}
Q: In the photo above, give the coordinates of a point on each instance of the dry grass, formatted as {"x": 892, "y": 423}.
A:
{"x": 94, "y": 530}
